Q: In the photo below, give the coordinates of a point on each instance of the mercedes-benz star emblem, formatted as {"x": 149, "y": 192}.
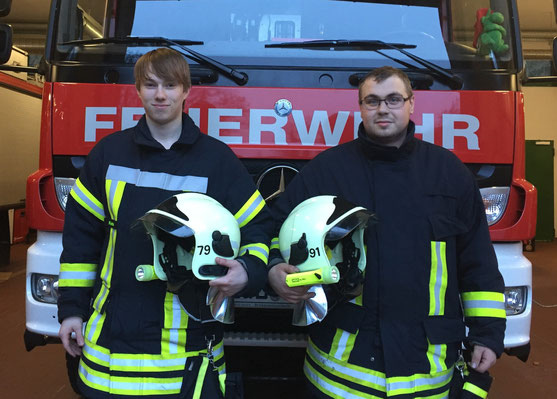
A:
{"x": 283, "y": 107}
{"x": 273, "y": 181}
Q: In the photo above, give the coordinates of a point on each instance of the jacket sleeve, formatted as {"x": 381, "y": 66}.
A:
{"x": 240, "y": 196}
{"x": 82, "y": 240}
{"x": 480, "y": 282}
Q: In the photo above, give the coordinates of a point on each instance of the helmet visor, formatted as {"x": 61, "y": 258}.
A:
{"x": 168, "y": 225}
{"x": 347, "y": 225}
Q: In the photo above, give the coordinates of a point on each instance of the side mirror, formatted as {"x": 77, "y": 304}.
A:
{"x": 5, "y": 43}
{"x": 5, "y": 7}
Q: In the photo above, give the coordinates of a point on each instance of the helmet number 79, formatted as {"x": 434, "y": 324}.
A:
{"x": 204, "y": 249}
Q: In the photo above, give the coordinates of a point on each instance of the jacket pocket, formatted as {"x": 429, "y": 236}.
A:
{"x": 444, "y": 330}
{"x": 444, "y": 226}
{"x": 347, "y": 317}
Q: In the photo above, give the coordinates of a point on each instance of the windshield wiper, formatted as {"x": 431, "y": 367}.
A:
{"x": 239, "y": 78}
{"x": 444, "y": 75}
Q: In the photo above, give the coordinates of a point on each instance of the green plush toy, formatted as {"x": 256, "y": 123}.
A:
{"x": 492, "y": 35}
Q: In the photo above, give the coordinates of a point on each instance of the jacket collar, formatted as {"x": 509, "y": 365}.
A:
{"x": 377, "y": 151}
{"x": 142, "y": 135}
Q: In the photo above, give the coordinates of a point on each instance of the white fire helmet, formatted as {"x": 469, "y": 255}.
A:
{"x": 324, "y": 237}
{"x": 196, "y": 228}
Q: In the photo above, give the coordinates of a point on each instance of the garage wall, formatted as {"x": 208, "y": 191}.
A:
{"x": 541, "y": 120}
{"x": 20, "y": 116}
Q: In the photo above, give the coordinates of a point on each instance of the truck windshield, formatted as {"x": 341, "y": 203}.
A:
{"x": 239, "y": 33}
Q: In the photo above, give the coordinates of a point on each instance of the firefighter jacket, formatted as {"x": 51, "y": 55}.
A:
{"x": 428, "y": 252}
{"x": 139, "y": 340}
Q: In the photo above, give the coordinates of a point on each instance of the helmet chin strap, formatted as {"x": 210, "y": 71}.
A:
{"x": 177, "y": 275}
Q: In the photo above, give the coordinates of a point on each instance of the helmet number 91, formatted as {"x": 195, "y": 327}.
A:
{"x": 313, "y": 252}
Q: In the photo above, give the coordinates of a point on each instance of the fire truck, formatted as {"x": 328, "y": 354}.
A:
{"x": 277, "y": 81}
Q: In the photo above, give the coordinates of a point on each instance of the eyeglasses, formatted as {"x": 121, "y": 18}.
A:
{"x": 392, "y": 102}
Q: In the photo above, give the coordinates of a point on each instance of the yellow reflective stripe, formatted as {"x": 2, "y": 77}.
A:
{"x": 359, "y": 300}
{"x": 174, "y": 333}
{"x": 476, "y": 390}
{"x": 250, "y": 209}
{"x": 275, "y": 243}
{"x": 77, "y": 274}
{"x": 356, "y": 374}
{"x": 222, "y": 384}
{"x": 94, "y": 327}
{"x": 484, "y": 304}
{"x": 200, "y": 378}
{"x": 87, "y": 200}
{"x": 393, "y": 385}
{"x": 136, "y": 386}
{"x": 332, "y": 388}
{"x": 218, "y": 352}
{"x": 257, "y": 249}
{"x": 436, "y": 355}
{"x": 418, "y": 382}
{"x": 136, "y": 362}
{"x": 343, "y": 342}
{"x": 438, "y": 278}
{"x": 118, "y": 197}
{"x": 114, "y": 193}
{"x": 106, "y": 272}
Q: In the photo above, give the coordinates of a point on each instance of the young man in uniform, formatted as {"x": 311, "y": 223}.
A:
{"x": 139, "y": 340}
{"x": 429, "y": 249}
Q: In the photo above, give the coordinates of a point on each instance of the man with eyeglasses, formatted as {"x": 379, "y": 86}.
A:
{"x": 430, "y": 270}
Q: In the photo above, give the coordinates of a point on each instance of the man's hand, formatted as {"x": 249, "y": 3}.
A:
{"x": 277, "y": 280}
{"x": 233, "y": 281}
{"x": 482, "y": 358}
{"x": 72, "y": 325}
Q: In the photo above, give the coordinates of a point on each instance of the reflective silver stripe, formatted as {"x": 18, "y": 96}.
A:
{"x": 164, "y": 181}
{"x": 255, "y": 248}
{"x": 101, "y": 298}
{"x": 394, "y": 385}
{"x": 341, "y": 347}
{"x": 340, "y": 370}
{"x": 330, "y": 389}
{"x": 218, "y": 352}
{"x": 142, "y": 384}
{"x": 437, "y": 353}
{"x": 77, "y": 276}
{"x": 83, "y": 197}
{"x": 248, "y": 212}
{"x": 174, "y": 332}
{"x": 138, "y": 364}
{"x": 93, "y": 325}
{"x": 418, "y": 383}
{"x": 438, "y": 279}
{"x": 484, "y": 304}
{"x": 98, "y": 355}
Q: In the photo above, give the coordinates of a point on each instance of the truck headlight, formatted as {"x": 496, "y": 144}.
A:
{"x": 515, "y": 300}
{"x": 44, "y": 287}
{"x": 495, "y": 202}
{"x": 63, "y": 186}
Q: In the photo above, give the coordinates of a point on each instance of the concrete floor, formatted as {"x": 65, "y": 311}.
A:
{"x": 41, "y": 372}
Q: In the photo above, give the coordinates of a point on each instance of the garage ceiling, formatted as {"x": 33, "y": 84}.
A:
{"x": 29, "y": 22}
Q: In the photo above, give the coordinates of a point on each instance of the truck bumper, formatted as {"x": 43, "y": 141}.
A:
{"x": 517, "y": 272}
{"x": 43, "y": 259}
